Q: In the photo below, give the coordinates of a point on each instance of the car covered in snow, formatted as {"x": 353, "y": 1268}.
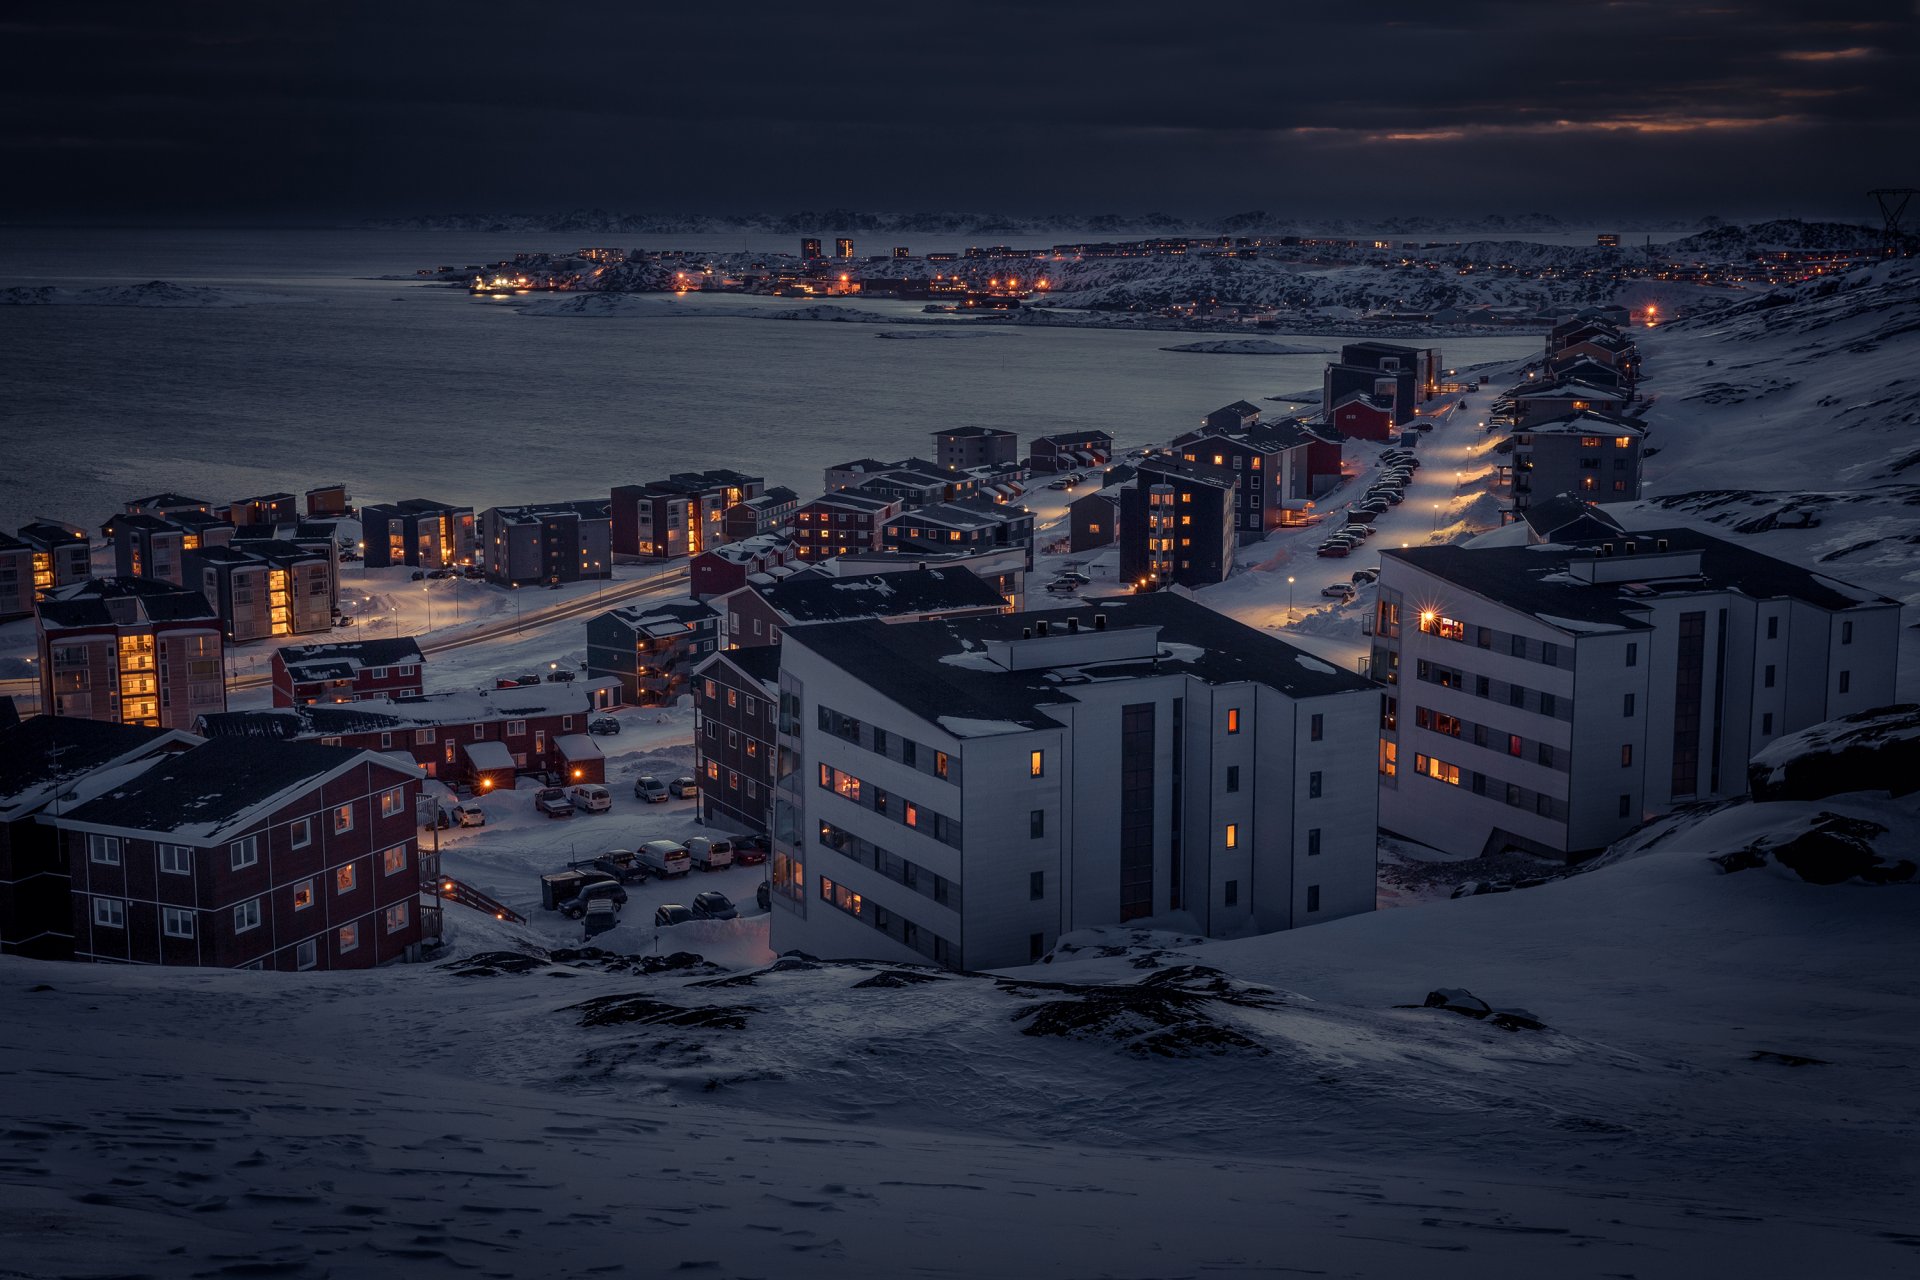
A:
{"x": 651, "y": 789}
{"x": 684, "y": 787}
{"x": 714, "y": 905}
{"x": 671, "y": 913}
{"x": 590, "y": 797}
{"x": 468, "y": 813}
{"x": 553, "y": 802}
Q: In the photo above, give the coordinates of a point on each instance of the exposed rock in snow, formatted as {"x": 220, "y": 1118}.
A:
{"x": 1875, "y": 750}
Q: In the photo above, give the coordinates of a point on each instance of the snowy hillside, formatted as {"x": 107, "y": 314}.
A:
{"x": 1723, "y": 1081}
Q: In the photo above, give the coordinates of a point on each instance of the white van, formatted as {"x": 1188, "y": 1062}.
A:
{"x": 665, "y": 858}
{"x": 590, "y": 797}
{"x": 710, "y": 855}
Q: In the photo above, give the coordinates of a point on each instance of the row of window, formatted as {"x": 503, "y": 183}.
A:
{"x": 179, "y": 922}
{"x": 1547, "y": 652}
{"x": 177, "y": 859}
{"x": 895, "y": 746}
{"x": 1480, "y": 784}
{"x": 891, "y": 865}
{"x": 1518, "y": 696}
{"x": 1513, "y": 744}
{"x": 894, "y": 925}
{"x": 906, "y": 812}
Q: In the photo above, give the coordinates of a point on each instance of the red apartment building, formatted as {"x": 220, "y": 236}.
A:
{"x": 132, "y": 651}
{"x": 357, "y": 672}
{"x": 736, "y": 695}
{"x": 240, "y": 854}
{"x": 728, "y": 568}
{"x": 842, "y": 521}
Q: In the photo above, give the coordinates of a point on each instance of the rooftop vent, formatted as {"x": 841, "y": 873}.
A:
{"x": 1606, "y": 548}
{"x": 1630, "y": 548}
{"x": 1660, "y": 544}
{"x": 1026, "y": 633}
{"x": 1099, "y": 622}
{"x": 1073, "y": 626}
{"x": 1040, "y": 627}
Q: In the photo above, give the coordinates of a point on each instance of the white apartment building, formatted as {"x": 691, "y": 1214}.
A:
{"x": 1550, "y": 697}
{"x": 967, "y": 790}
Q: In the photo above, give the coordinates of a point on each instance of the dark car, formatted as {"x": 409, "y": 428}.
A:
{"x": 553, "y": 802}
{"x": 672, "y": 913}
{"x": 603, "y": 725}
{"x": 473, "y": 571}
{"x": 437, "y": 574}
{"x": 562, "y": 676}
{"x": 575, "y": 907}
{"x": 526, "y": 680}
{"x": 713, "y": 905}
{"x": 419, "y": 575}
{"x": 751, "y": 850}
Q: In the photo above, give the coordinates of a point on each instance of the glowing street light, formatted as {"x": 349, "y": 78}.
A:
{"x": 1289, "y": 599}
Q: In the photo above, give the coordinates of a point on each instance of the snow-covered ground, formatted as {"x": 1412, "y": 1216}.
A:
{"x": 1724, "y": 1084}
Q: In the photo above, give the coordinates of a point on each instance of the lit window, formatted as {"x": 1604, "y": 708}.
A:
{"x": 397, "y": 916}
{"x": 349, "y": 937}
{"x": 303, "y": 895}
{"x": 1233, "y": 835}
{"x": 1233, "y": 719}
{"x": 1037, "y": 764}
{"x": 939, "y": 764}
{"x": 344, "y": 879}
{"x": 394, "y": 860}
{"x": 913, "y": 815}
{"x": 343, "y": 819}
{"x": 393, "y": 800}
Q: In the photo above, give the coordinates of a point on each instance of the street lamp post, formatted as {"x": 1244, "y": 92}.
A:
{"x": 1289, "y": 599}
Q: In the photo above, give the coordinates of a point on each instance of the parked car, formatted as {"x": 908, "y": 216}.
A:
{"x": 590, "y": 797}
{"x": 763, "y": 894}
{"x": 610, "y": 890}
{"x": 1060, "y": 586}
{"x": 560, "y": 887}
{"x": 665, "y": 858}
{"x": 602, "y": 915}
{"x": 671, "y": 914}
{"x": 1335, "y": 549}
{"x": 1342, "y": 591}
{"x": 1074, "y": 576}
{"x": 440, "y": 574}
{"x": 1363, "y": 576}
{"x": 603, "y": 725}
{"x": 468, "y": 813}
{"x": 560, "y": 676}
{"x": 709, "y": 854}
{"x": 684, "y": 787}
{"x": 751, "y": 850}
{"x": 419, "y": 575}
{"x": 553, "y": 802}
{"x": 526, "y": 679}
{"x": 1059, "y": 484}
{"x": 713, "y": 905}
{"x": 474, "y": 571}
{"x": 651, "y": 789}
{"x": 622, "y": 864}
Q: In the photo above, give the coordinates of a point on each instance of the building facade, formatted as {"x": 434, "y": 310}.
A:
{"x": 547, "y": 543}
{"x": 1551, "y": 697}
{"x": 842, "y": 521}
{"x": 966, "y": 792}
{"x": 262, "y": 589}
{"x": 651, "y": 648}
{"x": 964, "y": 448}
{"x": 355, "y": 671}
{"x": 131, "y": 651}
{"x": 974, "y": 525}
{"x": 1178, "y": 523}
{"x": 1070, "y": 451}
{"x": 418, "y": 532}
{"x": 62, "y": 555}
{"x": 735, "y": 697}
{"x": 682, "y": 515}
{"x": 1591, "y": 456}
{"x": 240, "y": 855}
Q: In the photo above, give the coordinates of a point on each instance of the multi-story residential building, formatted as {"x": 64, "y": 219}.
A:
{"x": 1406, "y": 377}
{"x": 273, "y": 509}
{"x": 1004, "y": 569}
{"x": 652, "y": 647}
{"x": 1094, "y": 520}
{"x": 356, "y": 671}
{"x": 735, "y": 695}
{"x": 1592, "y": 456}
{"x": 16, "y": 579}
{"x": 418, "y": 532}
{"x": 47, "y": 758}
{"x": 1278, "y": 468}
{"x": 1237, "y": 416}
{"x": 262, "y": 589}
{"x": 1177, "y": 523}
{"x": 770, "y": 512}
{"x": 62, "y": 555}
{"x": 681, "y": 515}
{"x": 729, "y": 567}
{"x": 547, "y": 543}
{"x": 842, "y": 521}
{"x": 964, "y": 448}
{"x": 249, "y": 855}
{"x": 758, "y": 613}
{"x": 1360, "y": 415}
{"x": 328, "y": 502}
{"x": 480, "y": 738}
{"x": 975, "y": 524}
{"x": 156, "y": 546}
{"x": 1530, "y": 402}
{"x": 968, "y": 791}
{"x": 918, "y": 483}
{"x": 132, "y": 651}
{"x": 315, "y": 537}
{"x": 167, "y": 504}
{"x": 1550, "y": 697}
{"x": 1070, "y": 451}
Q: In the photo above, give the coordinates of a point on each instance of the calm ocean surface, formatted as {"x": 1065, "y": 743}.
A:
{"x": 405, "y": 390}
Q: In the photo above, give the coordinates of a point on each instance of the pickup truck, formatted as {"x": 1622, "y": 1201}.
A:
{"x": 622, "y": 864}
{"x": 553, "y": 802}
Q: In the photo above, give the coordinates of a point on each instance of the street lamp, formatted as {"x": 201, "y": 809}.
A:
{"x": 429, "y": 595}
{"x": 1289, "y": 599}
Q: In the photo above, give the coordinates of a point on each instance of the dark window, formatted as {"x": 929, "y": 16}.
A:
{"x": 1136, "y": 810}
{"x": 1626, "y": 705}
{"x": 908, "y": 750}
{"x": 1766, "y": 724}
{"x": 1233, "y": 777}
{"x": 1313, "y": 842}
{"x": 1633, "y": 654}
{"x": 1688, "y": 685}
{"x": 1037, "y": 823}
{"x": 1518, "y": 644}
{"x": 1550, "y": 653}
{"x": 1313, "y": 897}
{"x": 880, "y": 741}
{"x": 1037, "y": 886}
{"x": 1233, "y": 893}
{"x": 1846, "y": 633}
{"x": 1846, "y": 680}
{"x": 1547, "y": 704}
{"x": 1626, "y": 755}
{"x": 1773, "y": 628}
{"x": 1313, "y": 785}
{"x": 1036, "y": 946}
{"x": 1546, "y": 755}
{"x": 1516, "y": 695}
{"x": 1626, "y": 805}
{"x": 1485, "y": 637}
{"x": 1316, "y": 727}
{"x": 1767, "y": 676}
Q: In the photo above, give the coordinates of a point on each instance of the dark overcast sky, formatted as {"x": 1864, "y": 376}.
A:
{"x": 288, "y": 111}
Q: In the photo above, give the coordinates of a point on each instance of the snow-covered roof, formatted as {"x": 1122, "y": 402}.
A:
{"x": 489, "y": 755}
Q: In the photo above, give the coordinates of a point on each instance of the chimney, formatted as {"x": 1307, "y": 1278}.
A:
{"x": 1073, "y": 626}
{"x": 1099, "y": 622}
{"x": 1041, "y": 626}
